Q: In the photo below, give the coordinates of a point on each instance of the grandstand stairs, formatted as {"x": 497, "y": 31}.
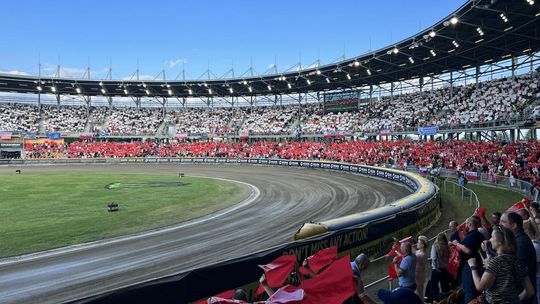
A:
{"x": 528, "y": 109}
{"x": 87, "y": 125}
{"x": 41, "y": 129}
{"x": 163, "y": 127}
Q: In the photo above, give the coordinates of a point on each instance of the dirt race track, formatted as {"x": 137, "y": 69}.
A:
{"x": 286, "y": 198}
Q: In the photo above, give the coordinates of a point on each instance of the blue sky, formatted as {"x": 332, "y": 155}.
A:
{"x": 217, "y": 34}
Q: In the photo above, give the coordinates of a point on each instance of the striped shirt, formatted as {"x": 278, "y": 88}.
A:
{"x": 509, "y": 273}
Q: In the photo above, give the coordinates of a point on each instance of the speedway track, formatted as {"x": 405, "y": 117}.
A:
{"x": 284, "y": 199}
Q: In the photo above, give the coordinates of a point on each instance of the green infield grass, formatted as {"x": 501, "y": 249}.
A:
{"x": 50, "y": 210}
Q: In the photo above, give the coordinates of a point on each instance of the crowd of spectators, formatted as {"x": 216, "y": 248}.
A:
{"x": 269, "y": 120}
{"x": 519, "y": 160}
{"x": 64, "y": 118}
{"x": 19, "y": 117}
{"x": 471, "y": 104}
{"x": 465, "y": 105}
{"x": 135, "y": 121}
{"x": 480, "y": 261}
{"x": 196, "y": 121}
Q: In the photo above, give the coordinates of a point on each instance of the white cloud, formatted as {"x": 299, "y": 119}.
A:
{"x": 15, "y": 72}
{"x": 172, "y": 63}
{"x": 67, "y": 72}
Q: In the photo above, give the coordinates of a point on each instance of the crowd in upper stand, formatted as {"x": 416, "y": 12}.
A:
{"x": 472, "y": 104}
{"x": 19, "y": 117}
{"x": 64, "y": 118}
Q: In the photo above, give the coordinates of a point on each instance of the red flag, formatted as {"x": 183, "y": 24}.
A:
{"x": 453, "y": 261}
{"x": 288, "y": 294}
{"x": 523, "y": 204}
{"x": 462, "y": 231}
{"x": 332, "y": 286}
{"x": 277, "y": 271}
{"x": 395, "y": 251}
{"x": 322, "y": 258}
{"x": 392, "y": 274}
{"x": 480, "y": 212}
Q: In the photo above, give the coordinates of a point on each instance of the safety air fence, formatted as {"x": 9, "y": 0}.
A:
{"x": 368, "y": 232}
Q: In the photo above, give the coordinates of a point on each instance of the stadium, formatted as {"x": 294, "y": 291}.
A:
{"x": 262, "y": 188}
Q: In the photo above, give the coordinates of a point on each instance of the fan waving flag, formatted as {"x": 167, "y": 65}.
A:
{"x": 332, "y": 286}
{"x": 277, "y": 271}
{"x": 322, "y": 259}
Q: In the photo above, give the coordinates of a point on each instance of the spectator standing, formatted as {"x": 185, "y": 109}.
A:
{"x": 525, "y": 249}
{"x": 420, "y": 270}
{"x": 468, "y": 248}
{"x": 406, "y": 269}
{"x": 505, "y": 276}
{"x": 440, "y": 278}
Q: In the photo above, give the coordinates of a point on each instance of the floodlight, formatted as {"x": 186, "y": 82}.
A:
{"x": 349, "y": 76}
{"x": 454, "y": 20}
{"x": 433, "y": 53}
{"x": 411, "y": 60}
{"x": 432, "y": 34}
{"x": 480, "y": 32}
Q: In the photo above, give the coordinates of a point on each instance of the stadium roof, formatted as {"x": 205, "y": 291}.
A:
{"x": 478, "y": 33}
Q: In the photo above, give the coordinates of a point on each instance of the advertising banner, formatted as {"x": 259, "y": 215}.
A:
{"x": 429, "y": 130}
{"x": 5, "y": 135}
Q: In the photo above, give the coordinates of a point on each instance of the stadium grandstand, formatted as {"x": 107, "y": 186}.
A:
{"x": 459, "y": 100}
